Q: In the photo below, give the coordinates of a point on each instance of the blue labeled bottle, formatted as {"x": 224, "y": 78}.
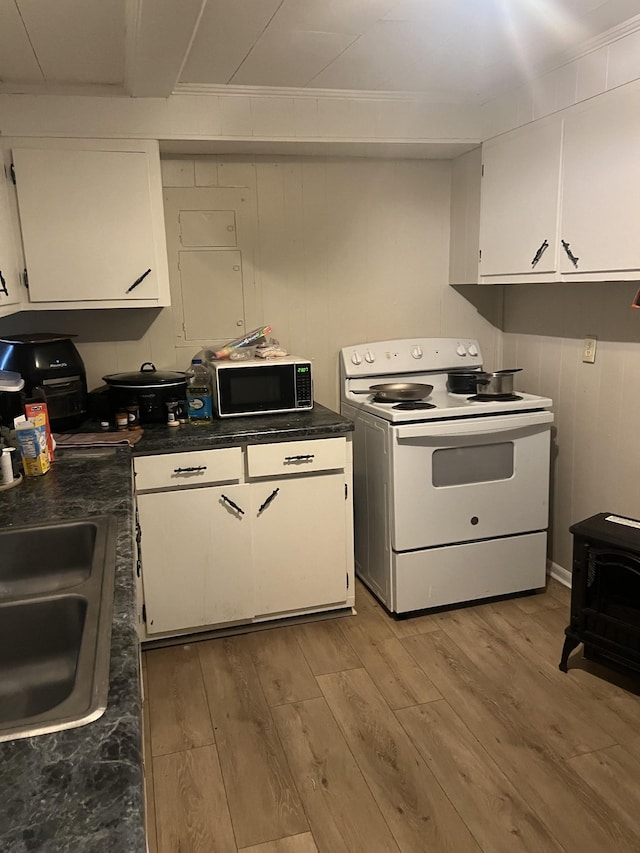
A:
{"x": 199, "y": 398}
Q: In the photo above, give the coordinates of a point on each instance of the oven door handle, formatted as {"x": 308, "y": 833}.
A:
{"x": 481, "y": 426}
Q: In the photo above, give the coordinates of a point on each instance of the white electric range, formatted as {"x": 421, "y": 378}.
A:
{"x": 451, "y": 498}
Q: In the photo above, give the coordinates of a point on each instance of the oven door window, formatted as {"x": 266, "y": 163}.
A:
{"x": 481, "y": 463}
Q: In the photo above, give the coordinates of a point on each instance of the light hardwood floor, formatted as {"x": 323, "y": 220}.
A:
{"x": 448, "y": 732}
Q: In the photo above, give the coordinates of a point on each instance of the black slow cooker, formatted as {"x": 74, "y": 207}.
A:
{"x": 150, "y": 389}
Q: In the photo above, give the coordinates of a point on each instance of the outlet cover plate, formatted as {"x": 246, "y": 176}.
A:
{"x": 589, "y": 350}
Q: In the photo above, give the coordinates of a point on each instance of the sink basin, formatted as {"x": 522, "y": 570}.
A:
{"x": 46, "y": 558}
{"x": 56, "y": 607}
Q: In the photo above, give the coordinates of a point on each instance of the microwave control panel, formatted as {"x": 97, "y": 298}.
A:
{"x": 304, "y": 389}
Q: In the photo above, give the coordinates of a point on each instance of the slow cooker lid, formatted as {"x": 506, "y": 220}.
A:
{"x": 147, "y": 377}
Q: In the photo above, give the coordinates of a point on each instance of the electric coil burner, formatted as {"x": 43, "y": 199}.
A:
{"x": 450, "y": 493}
{"x": 488, "y": 398}
{"x": 413, "y": 405}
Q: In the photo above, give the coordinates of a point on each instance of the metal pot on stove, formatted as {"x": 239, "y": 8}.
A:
{"x": 497, "y": 383}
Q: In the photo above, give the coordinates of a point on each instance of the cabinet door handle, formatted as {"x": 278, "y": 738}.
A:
{"x": 137, "y": 281}
{"x": 307, "y": 457}
{"x": 3, "y": 285}
{"x": 540, "y": 253}
{"x": 570, "y": 254}
{"x": 190, "y": 470}
{"x": 268, "y": 500}
{"x": 231, "y": 503}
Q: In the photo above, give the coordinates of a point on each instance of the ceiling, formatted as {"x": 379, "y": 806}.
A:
{"x": 446, "y": 50}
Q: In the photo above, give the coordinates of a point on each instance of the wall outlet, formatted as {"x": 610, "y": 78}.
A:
{"x": 589, "y": 350}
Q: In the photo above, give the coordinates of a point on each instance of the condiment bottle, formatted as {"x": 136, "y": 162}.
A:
{"x": 122, "y": 419}
{"x": 133, "y": 416}
{"x": 6, "y": 468}
{"x": 172, "y": 413}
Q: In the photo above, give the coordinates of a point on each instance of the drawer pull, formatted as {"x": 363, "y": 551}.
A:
{"x": 232, "y": 504}
{"x": 190, "y": 470}
{"x": 307, "y": 457}
{"x": 268, "y": 500}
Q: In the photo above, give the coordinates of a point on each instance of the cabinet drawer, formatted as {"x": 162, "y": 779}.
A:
{"x": 196, "y": 468}
{"x": 296, "y": 457}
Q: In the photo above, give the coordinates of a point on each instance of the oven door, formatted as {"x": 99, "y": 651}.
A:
{"x": 469, "y": 479}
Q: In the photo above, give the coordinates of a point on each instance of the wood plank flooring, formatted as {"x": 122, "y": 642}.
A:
{"x": 452, "y": 732}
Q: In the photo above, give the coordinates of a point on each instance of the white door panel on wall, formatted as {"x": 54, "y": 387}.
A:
{"x": 212, "y": 294}
{"x": 211, "y": 244}
{"x": 208, "y": 228}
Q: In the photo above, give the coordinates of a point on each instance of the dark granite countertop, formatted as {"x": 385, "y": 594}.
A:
{"x": 319, "y": 422}
{"x": 81, "y": 790}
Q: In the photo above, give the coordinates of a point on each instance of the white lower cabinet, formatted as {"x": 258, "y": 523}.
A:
{"x": 299, "y": 542}
{"x": 244, "y": 534}
{"x": 196, "y": 558}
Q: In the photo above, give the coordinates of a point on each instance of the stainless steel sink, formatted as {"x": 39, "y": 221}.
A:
{"x": 56, "y": 607}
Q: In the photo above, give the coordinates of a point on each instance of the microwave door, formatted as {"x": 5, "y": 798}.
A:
{"x": 256, "y": 390}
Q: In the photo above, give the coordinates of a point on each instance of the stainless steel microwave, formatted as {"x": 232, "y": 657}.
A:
{"x": 262, "y": 386}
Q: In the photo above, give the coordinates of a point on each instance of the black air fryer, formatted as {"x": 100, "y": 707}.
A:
{"x": 53, "y": 373}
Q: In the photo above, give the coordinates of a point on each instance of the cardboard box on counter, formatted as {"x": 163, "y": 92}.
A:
{"x": 33, "y": 409}
{"x": 32, "y": 440}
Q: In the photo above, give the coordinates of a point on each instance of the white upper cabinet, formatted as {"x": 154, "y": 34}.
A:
{"x": 600, "y": 222}
{"x": 92, "y": 223}
{"x": 519, "y": 202}
{"x": 558, "y": 196}
{"x": 9, "y": 270}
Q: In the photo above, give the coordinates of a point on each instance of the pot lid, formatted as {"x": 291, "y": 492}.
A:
{"x": 148, "y": 376}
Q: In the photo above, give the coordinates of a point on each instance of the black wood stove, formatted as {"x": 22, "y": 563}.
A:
{"x": 605, "y": 591}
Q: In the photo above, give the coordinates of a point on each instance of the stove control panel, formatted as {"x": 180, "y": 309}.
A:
{"x": 413, "y": 354}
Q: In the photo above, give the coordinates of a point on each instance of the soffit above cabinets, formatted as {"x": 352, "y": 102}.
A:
{"x": 464, "y": 51}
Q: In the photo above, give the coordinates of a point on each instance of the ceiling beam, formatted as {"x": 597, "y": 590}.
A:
{"x": 159, "y": 34}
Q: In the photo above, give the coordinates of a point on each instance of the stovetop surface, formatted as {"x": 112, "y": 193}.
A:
{"x": 447, "y": 406}
{"x": 427, "y": 361}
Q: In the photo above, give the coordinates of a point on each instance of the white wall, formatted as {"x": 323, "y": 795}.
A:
{"x": 596, "y": 461}
{"x": 348, "y": 251}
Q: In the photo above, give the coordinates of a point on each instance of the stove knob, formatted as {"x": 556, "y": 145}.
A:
{"x": 369, "y": 357}
{"x": 356, "y": 358}
{"x": 472, "y": 350}
{"x": 416, "y": 352}
{"x": 461, "y": 350}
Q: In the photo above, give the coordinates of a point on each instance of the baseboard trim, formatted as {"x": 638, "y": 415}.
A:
{"x": 558, "y": 573}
